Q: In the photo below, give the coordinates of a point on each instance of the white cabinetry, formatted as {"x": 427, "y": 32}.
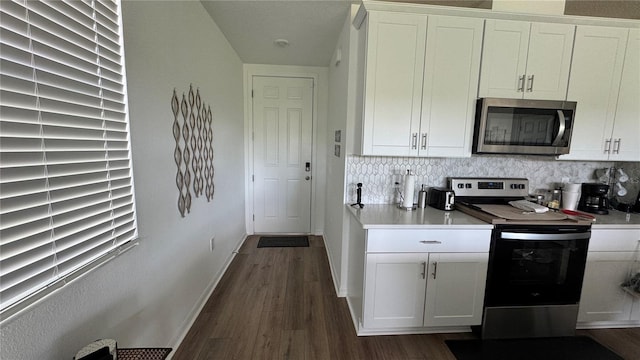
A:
{"x": 611, "y": 253}
{"x": 455, "y": 288}
{"x": 625, "y": 138}
{"x": 420, "y": 82}
{"x": 526, "y": 60}
{"x": 424, "y": 278}
{"x": 451, "y": 75}
{"x": 393, "y": 82}
{"x": 605, "y": 83}
{"x": 394, "y": 290}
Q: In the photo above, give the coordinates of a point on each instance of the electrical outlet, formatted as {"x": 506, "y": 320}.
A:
{"x": 212, "y": 243}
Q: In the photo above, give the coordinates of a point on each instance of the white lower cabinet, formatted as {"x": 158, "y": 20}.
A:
{"x": 404, "y": 290}
{"x": 455, "y": 289}
{"x": 602, "y": 297}
{"x": 612, "y": 253}
{"x": 394, "y": 290}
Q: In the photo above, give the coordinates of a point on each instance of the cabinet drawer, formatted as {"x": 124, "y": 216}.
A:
{"x": 401, "y": 240}
{"x": 615, "y": 240}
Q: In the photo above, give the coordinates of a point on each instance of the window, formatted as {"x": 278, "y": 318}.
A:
{"x": 66, "y": 187}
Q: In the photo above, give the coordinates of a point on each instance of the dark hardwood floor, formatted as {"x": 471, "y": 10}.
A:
{"x": 280, "y": 303}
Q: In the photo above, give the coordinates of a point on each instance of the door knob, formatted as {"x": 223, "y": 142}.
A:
{"x": 307, "y": 177}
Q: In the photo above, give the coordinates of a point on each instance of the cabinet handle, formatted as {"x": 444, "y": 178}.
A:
{"x": 424, "y": 141}
{"x": 616, "y": 146}
{"x": 430, "y": 242}
{"x": 414, "y": 141}
{"x": 607, "y": 146}
{"x": 424, "y": 270}
{"x": 521, "y": 83}
{"x": 530, "y": 87}
{"x": 435, "y": 269}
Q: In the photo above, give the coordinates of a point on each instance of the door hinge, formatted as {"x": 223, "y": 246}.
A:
{"x": 253, "y": 178}
{"x": 252, "y": 93}
{"x": 254, "y": 217}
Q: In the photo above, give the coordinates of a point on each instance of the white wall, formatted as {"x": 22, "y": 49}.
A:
{"x": 342, "y": 87}
{"x": 149, "y": 295}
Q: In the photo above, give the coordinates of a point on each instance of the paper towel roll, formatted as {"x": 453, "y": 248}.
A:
{"x": 409, "y": 187}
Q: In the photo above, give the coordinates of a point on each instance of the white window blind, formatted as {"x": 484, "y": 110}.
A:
{"x": 66, "y": 187}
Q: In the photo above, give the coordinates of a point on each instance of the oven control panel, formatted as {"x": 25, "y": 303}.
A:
{"x": 493, "y": 187}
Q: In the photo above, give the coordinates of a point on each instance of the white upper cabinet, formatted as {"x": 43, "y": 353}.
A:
{"x": 596, "y": 71}
{"x": 526, "y": 60}
{"x": 393, "y": 82}
{"x": 625, "y": 138}
{"x": 451, "y": 74}
{"x": 420, "y": 84}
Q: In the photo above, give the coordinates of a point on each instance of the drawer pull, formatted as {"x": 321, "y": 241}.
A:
{"x": 430, "y": 242}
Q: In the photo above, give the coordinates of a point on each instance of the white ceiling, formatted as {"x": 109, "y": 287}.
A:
{"x": 312, "y": 28}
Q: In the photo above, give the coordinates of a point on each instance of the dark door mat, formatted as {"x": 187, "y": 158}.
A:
{"x": 143, "y": 353}
{"x": 283, "y": 241}
{"x": 559, "y": 348}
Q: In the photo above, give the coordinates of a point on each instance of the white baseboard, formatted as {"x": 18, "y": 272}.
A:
{"x": 197, "y": 308}
{"x": 340, "y": 292}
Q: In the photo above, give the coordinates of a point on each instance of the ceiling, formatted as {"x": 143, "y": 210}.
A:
{"x": 312, "y": 28}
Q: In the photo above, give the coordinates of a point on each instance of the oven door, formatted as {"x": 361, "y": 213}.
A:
{"x": 541, "y": 265}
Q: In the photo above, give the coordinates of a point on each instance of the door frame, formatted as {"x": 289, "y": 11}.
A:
{"x": 318, "y": 157}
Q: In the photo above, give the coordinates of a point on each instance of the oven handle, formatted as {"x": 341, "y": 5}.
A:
{"x": 534, "y": 236}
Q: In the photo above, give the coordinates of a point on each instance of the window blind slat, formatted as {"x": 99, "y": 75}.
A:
{"x": 66, "y": 183}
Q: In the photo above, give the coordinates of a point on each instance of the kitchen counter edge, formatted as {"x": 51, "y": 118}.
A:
{"x": 387, "y": 216}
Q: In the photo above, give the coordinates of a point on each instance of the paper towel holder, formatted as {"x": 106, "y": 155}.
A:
{"x": 410, "y": 206}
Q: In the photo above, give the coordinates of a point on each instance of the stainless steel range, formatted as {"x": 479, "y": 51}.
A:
{"x": 536, "y": 261}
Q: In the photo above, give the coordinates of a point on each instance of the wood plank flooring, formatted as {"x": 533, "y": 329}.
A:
{"x": 280, "y": 303}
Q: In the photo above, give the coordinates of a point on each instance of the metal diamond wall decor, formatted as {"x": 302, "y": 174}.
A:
{"x": 193, "y": 153}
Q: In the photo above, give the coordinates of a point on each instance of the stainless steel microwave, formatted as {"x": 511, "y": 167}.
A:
{"x": 517, "y": 126}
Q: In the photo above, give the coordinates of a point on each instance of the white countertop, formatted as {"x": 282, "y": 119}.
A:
{"x": 378, "y": 216}
{"x": 617, "y": 220}
{"x": 385, "y": 216}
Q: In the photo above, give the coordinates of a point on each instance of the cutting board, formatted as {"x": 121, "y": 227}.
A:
{"x": 511, "y": 213}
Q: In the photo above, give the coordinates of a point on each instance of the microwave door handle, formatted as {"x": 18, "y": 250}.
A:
{"x": 561, "y": 128}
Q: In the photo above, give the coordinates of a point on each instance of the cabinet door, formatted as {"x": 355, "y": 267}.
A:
{"x": 455, "y": 289}
{"x": 452, "y": 65}
{"x": 393, "y": 83}
{"x": 548, "y": 61}
{"x": 394, "y": 290}
{"x": 626, "y": 129}
{"x": 602, "y": 297}
{"x": 504, "y": 58}
{"x": 596, "y": 68}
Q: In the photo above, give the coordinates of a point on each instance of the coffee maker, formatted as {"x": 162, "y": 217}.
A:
{"x": 594, "y": 198}
{"x": 636, "y": 207}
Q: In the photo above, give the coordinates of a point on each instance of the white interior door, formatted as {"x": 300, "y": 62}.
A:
{"x": 282, "y": 124}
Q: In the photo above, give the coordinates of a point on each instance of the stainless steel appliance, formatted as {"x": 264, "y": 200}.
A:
{"x": 536, "y": 261}
{"x": 517, "y": 126}
{"x": 636, "y": 206}
{"x": 440, "y": 198}
{"x": 594, "y": 198}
